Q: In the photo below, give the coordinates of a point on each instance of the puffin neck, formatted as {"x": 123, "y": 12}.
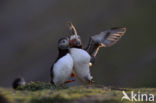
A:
{"x": 80, "y": 47}
{"x": 62, "y": 52}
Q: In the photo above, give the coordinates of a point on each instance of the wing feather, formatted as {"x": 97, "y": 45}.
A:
{"x": 106, "y": 38}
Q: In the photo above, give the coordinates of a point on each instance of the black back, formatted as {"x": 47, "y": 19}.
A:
{"x": 80, "y": 47}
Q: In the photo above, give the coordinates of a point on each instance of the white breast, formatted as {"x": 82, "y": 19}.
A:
{"x": 80, "y": 55}
{"x": 81, "y": 60}
{"x": 62, "y": 69}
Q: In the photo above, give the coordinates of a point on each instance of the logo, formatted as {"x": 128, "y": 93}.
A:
{"x": 137, "y": 96}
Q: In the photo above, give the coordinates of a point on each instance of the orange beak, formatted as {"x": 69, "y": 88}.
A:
{"x": 72, "y": 42}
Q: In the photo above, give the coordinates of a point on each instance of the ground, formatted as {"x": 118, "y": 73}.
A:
{"x": 39, "y": 92}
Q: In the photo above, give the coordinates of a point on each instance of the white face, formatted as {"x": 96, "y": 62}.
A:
{"x": 75, "y": 40}
{"x": 22, "y": 83}
{"x": 63, "y": 43}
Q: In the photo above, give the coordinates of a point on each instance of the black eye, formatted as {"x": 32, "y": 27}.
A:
{"x": 63, "y": 41}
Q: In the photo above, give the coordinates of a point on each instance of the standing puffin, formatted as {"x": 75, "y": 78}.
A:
{"x": 63, "y": 66}
{"x": 84, "y": 58}
{"x": 81, "y": 58}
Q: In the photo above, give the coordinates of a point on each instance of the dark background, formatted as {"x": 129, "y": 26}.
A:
{"x": 29, "y": 30}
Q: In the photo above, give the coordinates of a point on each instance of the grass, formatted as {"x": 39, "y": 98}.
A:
{"x": 40, "y": 92}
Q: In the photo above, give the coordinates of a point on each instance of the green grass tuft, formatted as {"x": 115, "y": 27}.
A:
{"x": 34, "y": 86}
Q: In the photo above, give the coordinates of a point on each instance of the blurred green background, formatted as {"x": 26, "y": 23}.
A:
{"x": 29, "y": 30}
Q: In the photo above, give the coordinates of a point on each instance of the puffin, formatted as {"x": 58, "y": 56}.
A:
{"x": 81, "y": 58}
{"x": 18, "y": 82}
{"x": 62, "y": 67}
{"x": 84, "y": 58}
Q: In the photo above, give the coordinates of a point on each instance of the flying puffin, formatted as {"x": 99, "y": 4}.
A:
{"x": 84, "y": 58}
{"x": 63, "y": 66}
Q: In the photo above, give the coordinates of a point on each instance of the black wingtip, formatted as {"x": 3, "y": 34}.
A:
{"x": 113, "y": 28}
{"x": 122, "y": 29}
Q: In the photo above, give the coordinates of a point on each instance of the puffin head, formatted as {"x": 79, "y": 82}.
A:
{"x": 64, "y": 43}
{"x": 75, "y": 41}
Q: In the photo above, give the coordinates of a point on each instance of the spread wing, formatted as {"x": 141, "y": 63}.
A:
{"x": 106, "y": 38}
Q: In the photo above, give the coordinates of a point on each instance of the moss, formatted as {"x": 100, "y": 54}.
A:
{"x": 34, "y": 86}
{"x": 40, "y": 92}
